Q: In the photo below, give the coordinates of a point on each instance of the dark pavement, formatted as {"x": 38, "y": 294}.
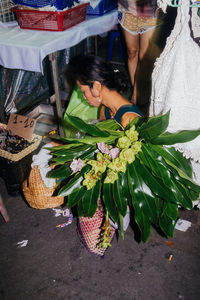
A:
{"x": 55, "y": 265}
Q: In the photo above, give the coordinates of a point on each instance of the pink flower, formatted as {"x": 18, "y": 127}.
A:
{"x": 76, "y": 165}
{"x": 114, "y": 153}
{"x": 103, "y": 148}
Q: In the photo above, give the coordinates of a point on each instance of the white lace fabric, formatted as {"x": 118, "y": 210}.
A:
{"x": 175, "y": 82}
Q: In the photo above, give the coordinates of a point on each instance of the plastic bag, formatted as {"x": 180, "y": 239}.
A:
{"x": 78, "y": 107}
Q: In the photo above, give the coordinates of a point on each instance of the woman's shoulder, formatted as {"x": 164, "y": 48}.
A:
{"x": 127, "y": 110}
{"x": 128, "y": 117}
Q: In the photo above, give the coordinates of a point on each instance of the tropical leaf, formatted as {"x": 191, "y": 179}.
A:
{"x": 76, "y": 196}
{"x": 174, "y": 138}
{"x": 175, "y": 159}
{"x": 89, "y": 200}
{"x": 171, "y": 210}
{"x": 63, "y": 147}
{"x": 73, "y": 185}
{"x": 161, "y": 171}
{"x": 120, "y": 200}
{"x": 138, "y": 121}
{"x": 70, "y": 151}
{"x": 73, "y": 155}
{"x": 121, "y": 221}
{"x": 154, "y": 127}
{"x": 91, "y": 140}
{"x": 80, "y": 208}
{"x": 141, "y": 194}
{"x": 109, "y": 202}
{"x": 167, "y": 225}
{"x": 85, "y": 127}
{"x": 156, "y": 164}
{"x": 62, "y": 172}
{"x": 151, "y": 183}
{"x": 142, "y": 222}
{"x": 109, "y": 125}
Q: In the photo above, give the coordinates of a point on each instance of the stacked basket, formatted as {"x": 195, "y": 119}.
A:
{"x": 6, "y": 13}
{"x": 15, "y": 168}
{"x": 53, "y": 15}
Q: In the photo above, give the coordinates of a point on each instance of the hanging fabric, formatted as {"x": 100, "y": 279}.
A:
{"x": 175, "y": 82}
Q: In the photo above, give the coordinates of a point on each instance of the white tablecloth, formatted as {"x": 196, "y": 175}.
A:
{"x": 26, "y": 49}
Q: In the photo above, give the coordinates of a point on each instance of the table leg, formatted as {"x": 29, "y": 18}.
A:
{"x": 53, "y": 59}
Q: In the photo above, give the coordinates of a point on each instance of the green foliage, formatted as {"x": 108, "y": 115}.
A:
{"x": 153, "y": 185}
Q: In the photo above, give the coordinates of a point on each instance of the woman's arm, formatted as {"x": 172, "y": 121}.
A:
{"x": 127, "y": 118}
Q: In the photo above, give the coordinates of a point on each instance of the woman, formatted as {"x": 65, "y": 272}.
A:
{"x": 139, "y": 21}
{"x": 101, "y": 86}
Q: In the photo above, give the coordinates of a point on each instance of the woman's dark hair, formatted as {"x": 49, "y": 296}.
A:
{"x": 89, "y": 68}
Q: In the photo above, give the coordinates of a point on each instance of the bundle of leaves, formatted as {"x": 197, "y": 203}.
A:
{"x": 135, "y": 167}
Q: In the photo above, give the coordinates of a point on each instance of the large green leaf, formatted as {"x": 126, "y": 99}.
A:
{"x": 109, "y": 201}
{"x": 91, "y": 140}
{"x": 141, "y": 194}
{"x": 183, "y": 197}
{"x": 73, "y": 155}
{"x": 76, "y": 196}
{"x": 138, "y": 121}
{"x": 171, "y": 210}
{"x": 154, "y": 127}
{"x": 165, "y": 173}
{"x": 89, "y": 200}
{"x": 71, "y": 151}
{"x": 109, "y": 125}
{"x": 153, "y": 183}
{"x": 142, "y": 222}
{"x": 156, "y": 164}
{"x": 119, "y": 198}
{"x": 121, "y": 221}
{"x": 62, "y": 172}
{"x": 80, "y": 208}
{"x": 62, "y": 147}
{"x": 74, "y": 184}
{"x": 85, "y": 127}
{"x": 167, "y": 225}
{"x": 178, "y": 137}
{"x": 175, "y": 159}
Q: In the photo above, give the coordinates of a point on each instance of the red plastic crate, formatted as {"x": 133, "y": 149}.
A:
{"x": 51, "y": 20}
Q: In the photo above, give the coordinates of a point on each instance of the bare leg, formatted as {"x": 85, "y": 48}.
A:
{"x": 3, "y": 210}
{"x": 132, "y": 43}
{"x": 148, "y": 53}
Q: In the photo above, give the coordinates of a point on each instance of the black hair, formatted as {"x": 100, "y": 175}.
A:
{"x": 89, "y": 68}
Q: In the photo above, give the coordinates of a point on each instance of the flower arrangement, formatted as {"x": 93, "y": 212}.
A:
{"x": 126, "y": 168}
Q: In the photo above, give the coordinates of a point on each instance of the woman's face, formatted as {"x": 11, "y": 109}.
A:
{"x": 91, "y": 95}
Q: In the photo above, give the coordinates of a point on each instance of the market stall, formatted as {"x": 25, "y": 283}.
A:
{"x": 26, "y": 49}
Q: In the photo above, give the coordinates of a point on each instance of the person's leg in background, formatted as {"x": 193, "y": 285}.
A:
{"x": 132, "y": 44}
{"x": 149, "y": 51}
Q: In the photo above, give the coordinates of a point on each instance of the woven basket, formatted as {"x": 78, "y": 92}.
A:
{"x": 6, "y": 13}
{"x": 36, "y": 192}
{"x": 89, "y": 230}
{"x": 36, "y": 139}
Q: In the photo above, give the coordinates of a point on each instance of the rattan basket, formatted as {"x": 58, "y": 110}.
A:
{"x": 36, "y": 192}
{"x": 36, "y": 139}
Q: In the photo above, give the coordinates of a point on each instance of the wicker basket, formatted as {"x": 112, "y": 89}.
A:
{"x": 36, "y": 192}
{"x": 36, "y": 139}
{"x": 15, "y": 168}
{"x": 6, "y": 13}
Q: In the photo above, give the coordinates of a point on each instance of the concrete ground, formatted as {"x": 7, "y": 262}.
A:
{"x": 54, "y": 265}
